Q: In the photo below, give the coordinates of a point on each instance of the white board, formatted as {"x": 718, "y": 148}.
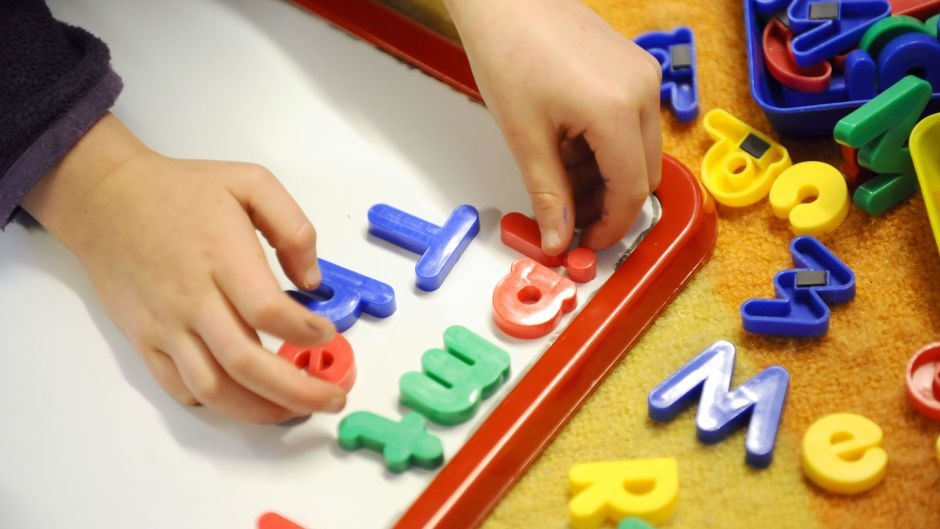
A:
{"x": 89, "y": 439}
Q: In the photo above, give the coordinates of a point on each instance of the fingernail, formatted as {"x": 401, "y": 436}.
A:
{"x": 551, "y": 239}
{"x": 335, "y": 404}
{"x": 312, "y": 278}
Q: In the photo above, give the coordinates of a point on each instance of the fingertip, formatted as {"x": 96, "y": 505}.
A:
{"x": 312, "y": 278}
{"x": 311, "y": 270}
{"x": 298, "y": 257}
{"x": 187, "y": 400}
{"x": 335, "y": 402}
{"x": 318, "y": 396}
{"x": 656, "y": 176}
{"x": 555, "y": 228}
{"x": 322, "y": 327}
{"x": 551, "y": 241}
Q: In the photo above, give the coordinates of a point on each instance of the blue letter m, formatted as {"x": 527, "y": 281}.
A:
{"x": 707, "y": 378}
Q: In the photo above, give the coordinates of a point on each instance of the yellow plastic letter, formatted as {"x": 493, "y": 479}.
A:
{"x": 806, "y": 180}
{"x": 644, "y": 488}
{"x": 741, "y": 165}
{"x": 842, "y": 453}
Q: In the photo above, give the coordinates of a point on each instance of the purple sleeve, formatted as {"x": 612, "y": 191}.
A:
{"x": 56, "y": 82}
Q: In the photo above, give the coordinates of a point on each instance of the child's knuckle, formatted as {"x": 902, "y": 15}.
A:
{"x": 303, "y": 237}
{"x": 256, "y": 173}
{"x": 241, "y": 365}
{"x": 264, "y": 312}
{"x": 655, "y": 69}
{"x": 545, "y": 201}
{"x": 207, "y": 389}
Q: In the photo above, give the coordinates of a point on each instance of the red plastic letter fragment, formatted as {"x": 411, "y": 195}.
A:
{"x": 529, "y": 301}
{"x": 333, "y": 361}
{"x": 270, "y": 520}
{"x": 854, "y": 174}
{"x": 522, "y": 234}
{"x": 923, "y": 381}
{"x": 783, "y": 67}
{"x": 921, "y": 9}
{"x": 581, "y": 264}
{"x": 838, "y": 62}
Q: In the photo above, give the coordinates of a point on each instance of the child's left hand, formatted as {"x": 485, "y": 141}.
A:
{"x": 578, "y": 104}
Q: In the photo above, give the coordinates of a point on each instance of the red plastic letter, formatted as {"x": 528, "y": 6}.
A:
{"x": 855, "y": 174}
{"x": 783, "y": 67}
{"x": 530, "y": 300}
{"x": 581, "y": 264}
{"x": 923, "y": 381}
{"x": 333, "y": 361}
{"x": 270, "y": 520}
{"x": 522, "y": 234}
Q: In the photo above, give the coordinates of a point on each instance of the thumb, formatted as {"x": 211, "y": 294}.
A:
{"x": 546, "y": 179}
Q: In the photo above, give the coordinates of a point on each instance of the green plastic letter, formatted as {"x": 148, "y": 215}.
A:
{"x": 879, "y": 129}
{"x": 457, "y": 379}
{"x": 403, "y": 444}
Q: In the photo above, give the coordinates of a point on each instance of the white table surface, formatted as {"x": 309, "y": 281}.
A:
{"x": 89, "y": 439}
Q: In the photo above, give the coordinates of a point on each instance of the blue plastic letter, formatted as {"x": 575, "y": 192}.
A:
{"x": 344, "y": 295}
{"x": 817, "y": 38}
{"x": 801, "y": 311}
{"x": 707, "y": 378}
{"x": 809, "y": 253}
{"x": 795, "y": 312}
{"x": 680, "y": 79}
{"x": 769, "y": 7}
{"x": 913, "y": 52}
{"x": 440, "y": 246}
{"x": 860, "y": 76}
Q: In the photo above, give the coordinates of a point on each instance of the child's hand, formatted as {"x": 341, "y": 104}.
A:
{"x": 171, "y": 249}
{"x": 579, "y": 106}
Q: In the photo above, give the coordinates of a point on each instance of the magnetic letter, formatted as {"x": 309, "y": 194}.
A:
{"x": 707, "y": 378}
{"x": 439, "y": 246}
{"x": 455, "y": 379}
{"x": 807, "y": 180}
{"x": 344, "y": 295}
{"x": 403, "y": 444}
{"x": 740, "y": 166}
{"x": 521, "y": 233}
{"x": 530, "y": 300}
{"x": 842, "y": 453}
{"x": 880, "y": 130}
{"x": 333, "y": 362}
{"x": 618, "y": 489}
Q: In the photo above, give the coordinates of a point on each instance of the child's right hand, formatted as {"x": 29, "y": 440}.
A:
{"x": 171, "y": 249}
{"x": 578, "y": 104}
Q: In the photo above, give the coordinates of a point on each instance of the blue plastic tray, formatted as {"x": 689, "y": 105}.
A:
{"x": 806, "y": 121}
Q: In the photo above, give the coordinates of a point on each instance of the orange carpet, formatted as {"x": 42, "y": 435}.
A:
{"x": 857, "y": 367}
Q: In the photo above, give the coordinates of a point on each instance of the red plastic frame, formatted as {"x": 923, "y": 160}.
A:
{"x": 467, "y": 489}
